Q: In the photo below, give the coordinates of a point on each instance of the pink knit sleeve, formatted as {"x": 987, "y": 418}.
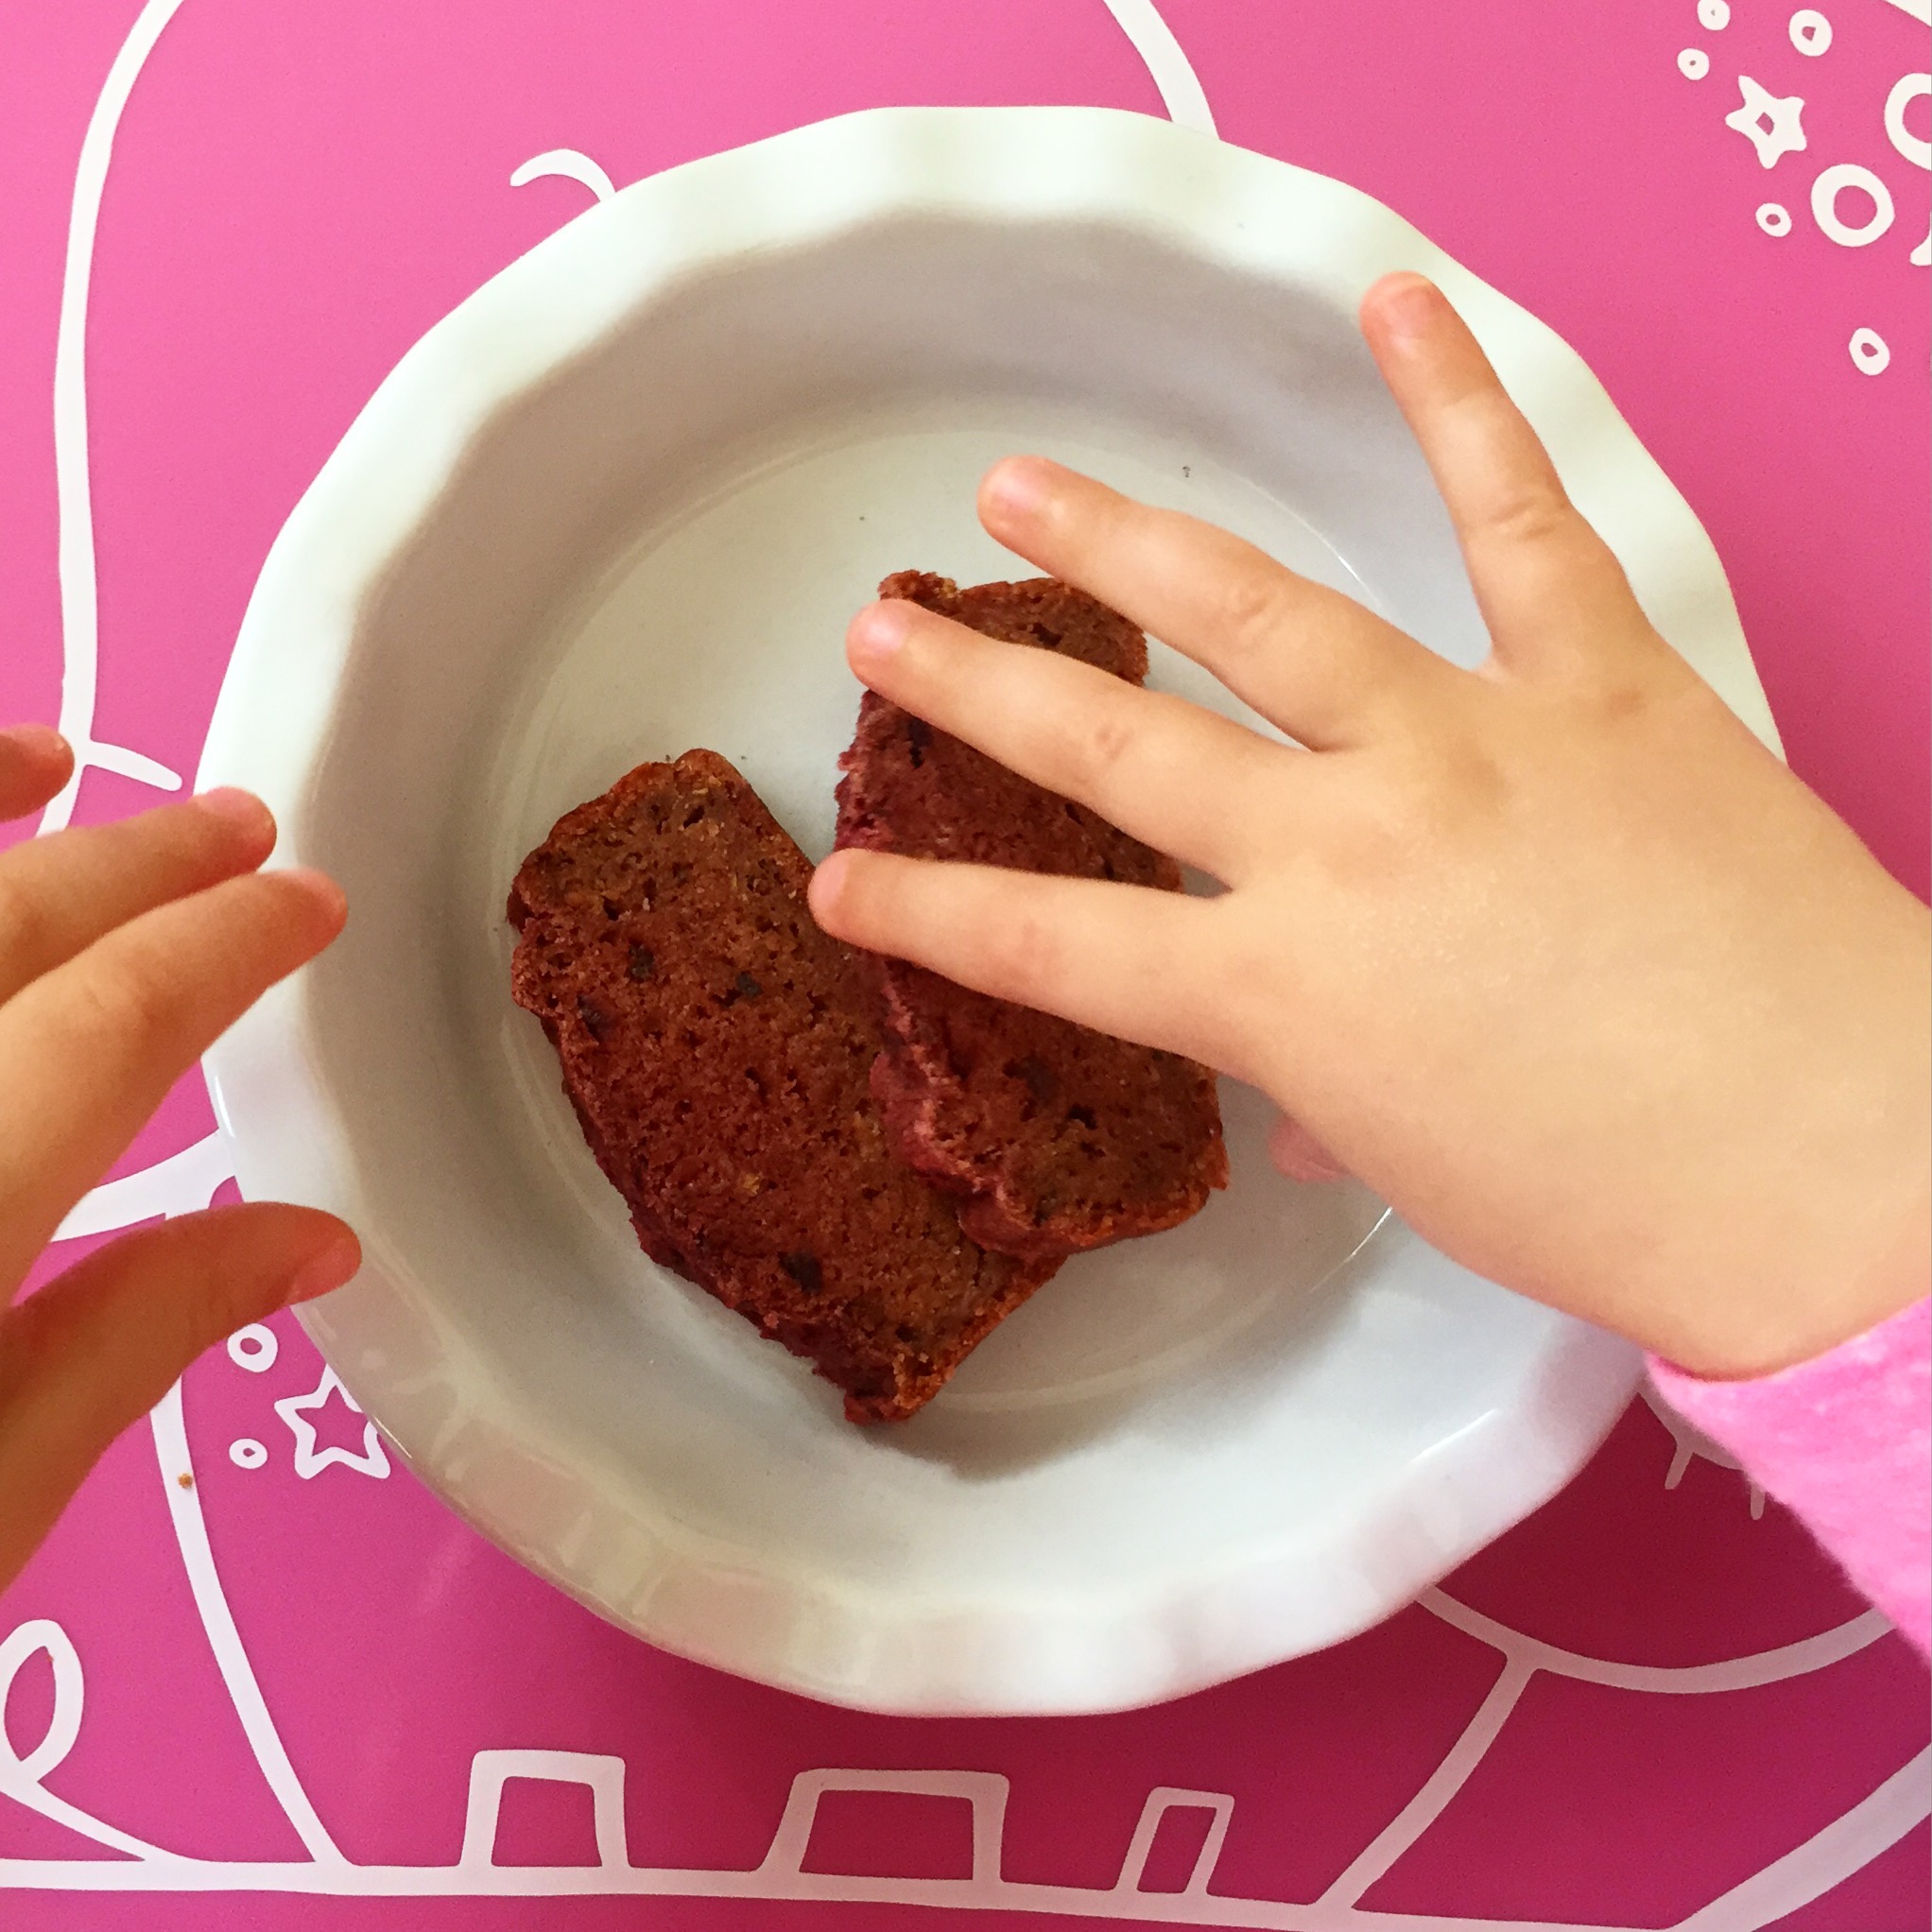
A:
{"x": 1846, "y": 1443}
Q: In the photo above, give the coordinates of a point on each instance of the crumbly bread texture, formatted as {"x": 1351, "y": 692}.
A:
{"x": 717, "y": 1046}
{"x": 1054, "y": 1137}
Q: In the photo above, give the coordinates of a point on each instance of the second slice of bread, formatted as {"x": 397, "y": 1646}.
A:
{"x": 1054, "y": 1137}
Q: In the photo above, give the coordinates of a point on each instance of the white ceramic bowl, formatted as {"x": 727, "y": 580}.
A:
{"x": 621, "y": 502}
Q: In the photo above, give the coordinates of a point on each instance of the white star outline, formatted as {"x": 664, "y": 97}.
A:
{"x": 373, "y": 1460}
{"x": 1772, "y": 126}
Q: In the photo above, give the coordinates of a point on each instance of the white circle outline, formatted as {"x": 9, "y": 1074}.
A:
{"x": 1831, "y": 183}
{"x": 1694, "y": 64}
{"x": 1770, "y": 215}
{"x": 1870, "y": 352}
{"x": 1714, "y": 15}
{"x": 1811, "y": 32}
{"x": 1905, "y": 91}
{"x": 246, "y": 1453}
{"x": 253, "y": 1348}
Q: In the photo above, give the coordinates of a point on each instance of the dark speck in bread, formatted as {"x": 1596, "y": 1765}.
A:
{"x": 716, "y": 1047}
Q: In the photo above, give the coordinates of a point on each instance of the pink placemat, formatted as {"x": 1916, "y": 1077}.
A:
{"x": 259, "y": 1678}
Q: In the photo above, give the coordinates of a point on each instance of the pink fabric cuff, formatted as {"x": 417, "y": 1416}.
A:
{"x": 1845, "y": 1442}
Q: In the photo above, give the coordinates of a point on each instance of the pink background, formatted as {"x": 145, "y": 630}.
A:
{"x": 296, "y": 193}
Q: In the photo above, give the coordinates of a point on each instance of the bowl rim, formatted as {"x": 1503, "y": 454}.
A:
{"x": 1262, "y": 217}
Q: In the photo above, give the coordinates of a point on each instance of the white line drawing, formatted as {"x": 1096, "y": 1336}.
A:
{"x": 1689, "y": 1442}
{"x": 80, "y": 606}
{"x": 170, "y": 1427}
{"x": 1870, "y": 352}
{"x": 1694, "y": 64}
{"x": 1714, "y": 15}
{"x": 571, "y": 165}
{"x": 373, "y": 1460}
{"x": 186, "y": 1182}
{"x": 253, "y": 1348}
{"x": 1443, "y": 1783}
{"x": 177, "y": 1185}
{"x": 1173, "y": 74}
{"x": 1774, "y": 219}
{"x": 1844, "y": 1847}
{"x": 1905, "y": 91}
{"x": 1804, "y": 1873}
{"x": 1772, "y": 125}
{"x": 63, "y": 1722}
{"x": 1159, "y": 1801}
{"x": 603, "y": 1777}
{"x": 1830, "y": 185}
{"x": 1811, "y": 32}
{"x": 246, "y": 1453}
{"x": 20, "y": 1777}
{"x": 1668, "y": 1679}
{"x": 984, "y": 1791}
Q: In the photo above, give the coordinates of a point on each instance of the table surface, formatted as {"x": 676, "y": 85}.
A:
{"x": 313, "y": 1698}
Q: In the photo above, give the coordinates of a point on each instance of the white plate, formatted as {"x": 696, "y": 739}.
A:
{"x": 621, "y": 502}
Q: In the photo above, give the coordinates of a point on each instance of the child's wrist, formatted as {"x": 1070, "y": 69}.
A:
{"x": 1754, "y": 1332}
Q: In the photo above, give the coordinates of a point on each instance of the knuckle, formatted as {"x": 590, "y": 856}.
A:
{"x": 1028, "y": 953}
{"x": 1247, "y": 617}
{"x": 127, "y": 994}
{"x": 1619, "y": 703}
{"x": 22, "y": 923}
{"x": 1531, "y": 518}
{"x": 1106, "y": 743}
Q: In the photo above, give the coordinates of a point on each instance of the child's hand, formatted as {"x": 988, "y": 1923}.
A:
{"x": 123, "y": 951}
{"x": 1553, "y": 955}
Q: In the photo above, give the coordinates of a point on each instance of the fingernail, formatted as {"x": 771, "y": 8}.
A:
{"x": 1020, "y": 487}
{"x": 821, "y": 893}
{"x": 36, "y": 740}
{"x": 241, "y": 809}
{"x": 317, "y": 883}
{"x": 327, "y": 1270}
{"x": 1409, "y": 305}
{"x": 879, "y": 631}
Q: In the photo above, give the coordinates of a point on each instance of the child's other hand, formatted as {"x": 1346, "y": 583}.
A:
{"x": 1553, "y": 955}
{"x": 124, "y": 950}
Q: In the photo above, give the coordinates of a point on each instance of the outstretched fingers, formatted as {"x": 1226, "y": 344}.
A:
{"x": 1186, "y": 781}
{"x": 91, "y": 1049}
{"x": 1545, "y": 579}
{"x": 1329, "y": 672}
{"x": 58, "y": 895}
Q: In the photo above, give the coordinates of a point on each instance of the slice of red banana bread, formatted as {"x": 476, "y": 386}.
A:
{"x": 716, "y": 1047}
{"x": 1056, "y": 1137}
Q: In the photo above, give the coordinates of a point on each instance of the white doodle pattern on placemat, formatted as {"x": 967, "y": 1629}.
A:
{"x": 309, "y": 1461}
{"x": 571, "y": 165}
{"x": 186, "y": 1182}
{"x": 1774, "y": 125}
{"x": 79, "y": 606}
